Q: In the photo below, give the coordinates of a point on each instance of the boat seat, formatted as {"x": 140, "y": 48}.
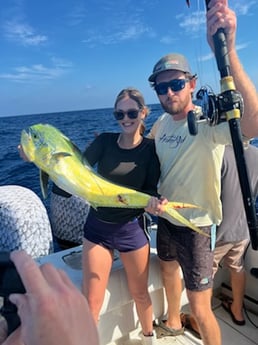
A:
{"x": 24, "y": 222}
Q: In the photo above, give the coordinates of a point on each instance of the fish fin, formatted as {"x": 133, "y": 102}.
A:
{"x": 58, "y": 155}
{"x": 75, "y": 148}
{"x": 43, "y": 183}
{"x": 85, "y": 162}
{"x": 176, "y": 215}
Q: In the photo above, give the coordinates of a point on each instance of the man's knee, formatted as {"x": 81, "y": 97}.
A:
{"x": 169, "y": 267}
{"x": 200, "y": 303}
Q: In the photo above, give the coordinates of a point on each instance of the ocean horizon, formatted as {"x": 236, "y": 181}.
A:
{"x": 81, "y": 126}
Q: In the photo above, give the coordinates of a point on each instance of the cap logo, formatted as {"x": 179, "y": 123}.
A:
{"x": 166, "y": 65}
{"x": 172, "y": 62}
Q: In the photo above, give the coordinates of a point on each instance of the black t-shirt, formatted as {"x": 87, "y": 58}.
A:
{"x": 137, "y": 168}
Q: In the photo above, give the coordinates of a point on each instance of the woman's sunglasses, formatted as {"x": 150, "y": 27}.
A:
{"x": 174, "y": 84}
{"x": 131, "y": 113}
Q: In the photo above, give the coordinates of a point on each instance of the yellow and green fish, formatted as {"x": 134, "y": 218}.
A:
{"x": 58, "y": 158}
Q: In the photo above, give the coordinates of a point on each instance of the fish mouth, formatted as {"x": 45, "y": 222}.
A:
{"x": 25, "y": 138}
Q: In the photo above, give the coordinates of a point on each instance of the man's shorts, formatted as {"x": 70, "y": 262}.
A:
{"x": 231, "y": 255}
{"x": 123, "y": 237}
{"x": 190, "y": 249}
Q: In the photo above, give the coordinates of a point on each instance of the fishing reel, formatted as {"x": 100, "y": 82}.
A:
{"x": 212, "y": 108}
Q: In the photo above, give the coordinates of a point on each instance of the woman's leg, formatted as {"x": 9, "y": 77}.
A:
{"x": 136, "y": 264}
{"x": 96, "y": 263}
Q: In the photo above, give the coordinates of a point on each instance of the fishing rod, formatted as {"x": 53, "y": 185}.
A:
{"x": 227, "y": 106}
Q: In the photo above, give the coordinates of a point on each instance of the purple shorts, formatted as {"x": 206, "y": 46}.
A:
{"x": 123, "y": 237}
{"x": 190, "y": 249}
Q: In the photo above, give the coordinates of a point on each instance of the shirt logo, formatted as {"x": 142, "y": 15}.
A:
{"x": 173, "y": 140}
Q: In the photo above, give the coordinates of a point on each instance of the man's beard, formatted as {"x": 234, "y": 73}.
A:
{"x": 175, "y": 108}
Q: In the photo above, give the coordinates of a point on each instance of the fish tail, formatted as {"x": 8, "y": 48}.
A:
{"x": 173, "y": 204}
{"x": 176, "y": 215}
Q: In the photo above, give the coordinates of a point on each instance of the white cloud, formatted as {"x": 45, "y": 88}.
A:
{"x": 23, "y": 34}
{"x": 76, "y": 15}
{"x": 168, "y": 39}
{"x": 192, "y": 23}
{"x": 242, "y": 46}
{"x": 243, "y": 7}
{"x": 130, "y": 32}
{"x": 206, "y": 57}
{"x": 37, "y": 72}
{"x": 210, "y": 56}
{"x": 120, "y": 21}
{"x": 62, "y": 63}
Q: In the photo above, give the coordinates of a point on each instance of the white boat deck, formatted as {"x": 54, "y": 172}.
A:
{"x": 231, "y": 333}
{"x": 119, "y": 324}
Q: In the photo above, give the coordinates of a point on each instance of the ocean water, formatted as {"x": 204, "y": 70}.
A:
{"x": 79, "y": 126}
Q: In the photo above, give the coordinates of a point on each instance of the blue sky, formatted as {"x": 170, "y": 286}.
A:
{"x": 78, "y": 54}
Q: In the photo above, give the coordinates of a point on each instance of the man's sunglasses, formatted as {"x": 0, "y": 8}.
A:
{"x": 174, "y": 84}
{"x": 131, "y": 113}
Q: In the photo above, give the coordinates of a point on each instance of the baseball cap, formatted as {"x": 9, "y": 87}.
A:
{"x": 172, "y": 61}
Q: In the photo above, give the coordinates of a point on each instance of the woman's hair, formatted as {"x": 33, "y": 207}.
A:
{"x": 135, "y": 95}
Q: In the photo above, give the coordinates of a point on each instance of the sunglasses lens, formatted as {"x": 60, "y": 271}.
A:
{"x": 132, "y": 114}
{"x": 175, "y": 85}
{"x": 119, "y": 115}
{"x": 161, "y": 88}
{"x": 178, "y": 84}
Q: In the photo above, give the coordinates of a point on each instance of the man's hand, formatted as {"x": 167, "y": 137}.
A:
{"x": 219, "y": 15}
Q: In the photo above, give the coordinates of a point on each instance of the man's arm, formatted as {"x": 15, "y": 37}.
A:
{"x": 249, "y": 122}
{"x": 220, "y": 15}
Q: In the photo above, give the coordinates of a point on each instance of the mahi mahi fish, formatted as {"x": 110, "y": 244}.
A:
{"x": 60, "y": 159}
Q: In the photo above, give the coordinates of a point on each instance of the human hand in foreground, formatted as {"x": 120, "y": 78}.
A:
{"x": 156, "y": 206}
{"x": 218, "y": 16}
{"x": 53, "y": 311}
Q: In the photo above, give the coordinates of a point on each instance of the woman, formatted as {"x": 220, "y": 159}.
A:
{"x": 126, "y": 158}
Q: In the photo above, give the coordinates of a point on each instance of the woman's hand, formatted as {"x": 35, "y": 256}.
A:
{"x": 156, "y": 206}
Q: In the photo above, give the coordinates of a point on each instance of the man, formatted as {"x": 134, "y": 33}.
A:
{"x": 233, "y": 232}
{"x": 190, "y": 172}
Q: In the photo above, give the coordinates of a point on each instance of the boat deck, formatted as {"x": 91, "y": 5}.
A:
{"x": 231, "y": 333}
{"x": 118, "y": 320}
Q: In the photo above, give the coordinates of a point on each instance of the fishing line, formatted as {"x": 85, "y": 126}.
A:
{"x": 199, "y": 50}
{"x": 200, "y": 56}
